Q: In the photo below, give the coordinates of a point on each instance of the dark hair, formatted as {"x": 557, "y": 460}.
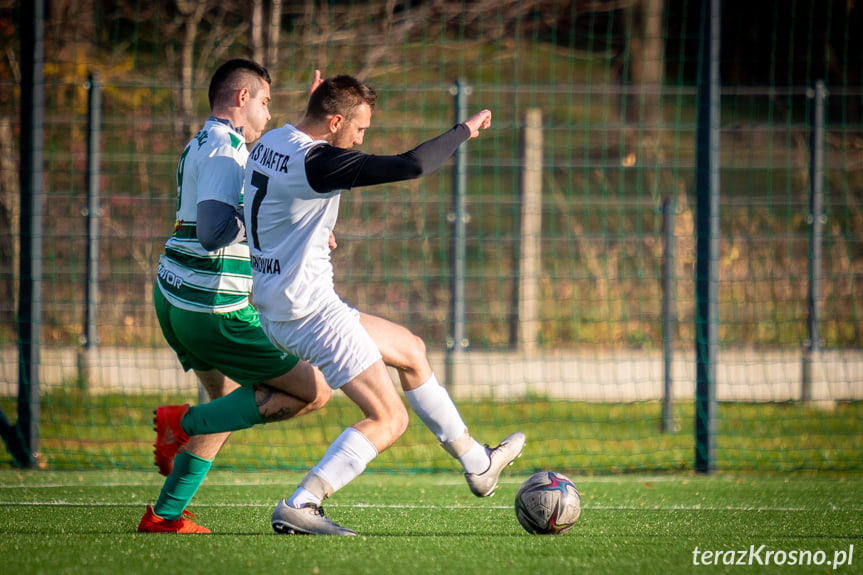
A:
{"x": 234, "y": 75}
{"x": 340, "y": 95}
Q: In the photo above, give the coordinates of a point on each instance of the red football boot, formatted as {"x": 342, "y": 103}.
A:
{"x": 170, "y": 437}
{"x": 152, "y": 523}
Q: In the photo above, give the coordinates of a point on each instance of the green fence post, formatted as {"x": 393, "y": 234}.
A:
{"x": 816, "y": 239}
{"x": 668, "y": 208}
{"x": 92, "y": 213}
{"x": 30, "y": 287}
{"x": 707, "y": 240}
{"x": 459, "y": 219}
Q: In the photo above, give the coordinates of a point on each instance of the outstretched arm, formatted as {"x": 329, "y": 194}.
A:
{"x": 329, "y": 168}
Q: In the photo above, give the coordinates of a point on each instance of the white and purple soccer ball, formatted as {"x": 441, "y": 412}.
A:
{"x": 547, "y": 503}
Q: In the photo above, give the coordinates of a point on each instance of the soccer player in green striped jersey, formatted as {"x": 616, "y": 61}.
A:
{"x": 202, "y": 303}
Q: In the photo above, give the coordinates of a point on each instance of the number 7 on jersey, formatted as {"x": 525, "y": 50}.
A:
{"x": 260, "y": 182}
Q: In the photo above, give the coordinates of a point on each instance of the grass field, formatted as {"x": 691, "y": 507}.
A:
{"x": 115, "y": 431}
{"x": 84, "y": 522}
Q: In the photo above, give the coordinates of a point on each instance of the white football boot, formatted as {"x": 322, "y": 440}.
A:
{"x": 308, "y": 519}
{"x": 483, "y": 484}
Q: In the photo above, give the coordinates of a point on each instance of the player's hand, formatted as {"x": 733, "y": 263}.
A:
{"x": 477, "y": 122}
{"x": 332, "y": 242}
{"x": 317, "y": 81}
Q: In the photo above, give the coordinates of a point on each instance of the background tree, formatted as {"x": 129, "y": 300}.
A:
{"x": 266, "y": 17}
{"x": 210, "y": 30}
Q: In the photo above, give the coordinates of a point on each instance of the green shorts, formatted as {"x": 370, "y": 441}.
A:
{"x": 232, "y": 343}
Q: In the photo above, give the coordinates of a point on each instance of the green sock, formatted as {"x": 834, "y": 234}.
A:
{"x": 179, "y": 488}
{"x": 235, "y": 411}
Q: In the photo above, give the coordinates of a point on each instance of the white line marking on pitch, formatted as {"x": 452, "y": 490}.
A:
{"x": 62, "y": 503}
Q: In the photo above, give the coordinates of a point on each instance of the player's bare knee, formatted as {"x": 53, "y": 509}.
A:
{"x": 399, "y": 423}
{"x": 323, "y": 393}
{"x": 416, "y": 358}
{"x": 392, "y": 423}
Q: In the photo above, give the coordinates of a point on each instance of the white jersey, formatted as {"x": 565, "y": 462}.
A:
{"x": 211, "y": 167}
{"x": 288, "y": 225}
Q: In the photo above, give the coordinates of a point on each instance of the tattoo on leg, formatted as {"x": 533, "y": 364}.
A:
{"x": 279, "y": 414}
{"x": 263, "y": 396}
{"x": 275, "y": 405}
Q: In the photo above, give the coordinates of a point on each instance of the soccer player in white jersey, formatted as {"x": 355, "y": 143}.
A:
{"x": 202, "y": 303}
{"x": 295, "y": 176}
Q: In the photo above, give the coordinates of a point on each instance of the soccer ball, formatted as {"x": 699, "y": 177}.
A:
{"x": 547, "y": 503}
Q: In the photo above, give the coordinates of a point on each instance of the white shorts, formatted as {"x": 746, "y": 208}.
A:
{"x": 332, "y": 339}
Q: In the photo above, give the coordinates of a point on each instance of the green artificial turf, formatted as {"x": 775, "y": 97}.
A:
{"x": 115, "y": 431}
{"x": 85, "y": 521}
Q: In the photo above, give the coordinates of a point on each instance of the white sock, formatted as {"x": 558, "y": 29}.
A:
{"x": 302, "y": 496}
{"x": 435, "y": 408}
{"x": 343, "y": 462}
{"x": 476, "y": 460}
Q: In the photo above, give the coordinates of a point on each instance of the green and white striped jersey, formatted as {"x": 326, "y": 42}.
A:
{"x": 211, "y": 167}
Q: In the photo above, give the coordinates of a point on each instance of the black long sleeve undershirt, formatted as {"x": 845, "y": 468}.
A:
{"x": 329, "y": 168}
